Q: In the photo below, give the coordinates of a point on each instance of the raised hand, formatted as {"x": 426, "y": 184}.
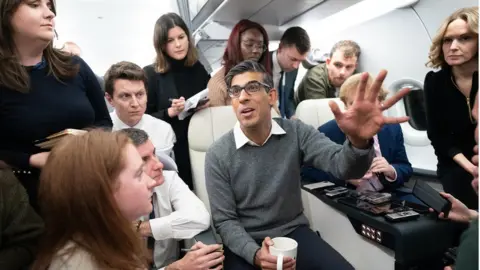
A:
{"x": 361, "y": 121}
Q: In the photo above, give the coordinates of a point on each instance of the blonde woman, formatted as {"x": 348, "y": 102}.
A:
{"x": 449, "y": 96}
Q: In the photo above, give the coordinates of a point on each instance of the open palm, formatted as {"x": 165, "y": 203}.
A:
{"x": 364, "y": 118}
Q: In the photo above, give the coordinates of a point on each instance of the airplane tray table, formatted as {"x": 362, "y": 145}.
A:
{"x": 412, "y": 241}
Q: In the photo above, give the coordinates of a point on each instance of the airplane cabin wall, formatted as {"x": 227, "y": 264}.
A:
{"x": 398, "y": 42}
{"x": 110, "y": 31}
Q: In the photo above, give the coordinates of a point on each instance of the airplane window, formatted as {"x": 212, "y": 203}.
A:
{"x": 415, "y": 108}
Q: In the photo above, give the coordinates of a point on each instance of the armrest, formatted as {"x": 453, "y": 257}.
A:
{"x": 207, "y": 237}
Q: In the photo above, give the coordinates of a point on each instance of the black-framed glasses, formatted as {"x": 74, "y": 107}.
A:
{"x": 251, "y": 46}
{"x": 250, "y": 87}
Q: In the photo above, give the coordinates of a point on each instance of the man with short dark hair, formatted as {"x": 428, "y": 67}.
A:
{"x": 292, "y": 50}
{"x": 325, "y": 80}
{"x": 178, "y": 213}
{"x": 125, "y": 90}
{"x": 252, "y": 173}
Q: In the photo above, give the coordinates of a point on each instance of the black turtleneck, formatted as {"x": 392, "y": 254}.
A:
{"x": 178, "y": 81}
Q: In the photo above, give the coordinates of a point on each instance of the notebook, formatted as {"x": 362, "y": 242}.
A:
{"x": 52, "y": 140}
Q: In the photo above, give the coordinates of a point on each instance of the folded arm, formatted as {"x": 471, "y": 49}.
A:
{"x": 189, "y": 218}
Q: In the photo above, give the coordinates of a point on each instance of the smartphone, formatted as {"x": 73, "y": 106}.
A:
{"x": 378, "y": 198}
{"x": 333, "y": 189}
{"x": 431, "y": 197}
{"x": 319, "y": 185}
{"x": 336, "y": 193}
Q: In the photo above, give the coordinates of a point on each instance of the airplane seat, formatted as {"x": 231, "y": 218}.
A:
{"x": 206, "y": 126}
{"x": 316, "y": 112}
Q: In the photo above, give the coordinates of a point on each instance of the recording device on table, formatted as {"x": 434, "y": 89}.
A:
{"x": 431, "y": 197}
{"x": 373, "y": 203}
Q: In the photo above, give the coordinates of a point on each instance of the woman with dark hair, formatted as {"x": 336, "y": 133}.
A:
{"x": 449, "y": 98}
{"x": 93, "y": 187}
{"x": 248, "y": 41}
{"x": 176, "y": 75}
{"x": 42, "y": 90}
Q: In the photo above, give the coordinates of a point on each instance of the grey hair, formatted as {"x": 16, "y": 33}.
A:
{"x": 137, "y": 136}
{"x": 249, "y": 66}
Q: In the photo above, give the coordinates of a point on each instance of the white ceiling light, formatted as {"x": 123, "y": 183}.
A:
{"x": 359, "y": 13}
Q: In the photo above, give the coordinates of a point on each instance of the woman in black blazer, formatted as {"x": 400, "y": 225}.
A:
{"x": 449, "y": 96}
{"x": 175, "y": 76}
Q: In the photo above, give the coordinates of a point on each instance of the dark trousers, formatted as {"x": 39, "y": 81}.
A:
{"x": 312, "y": 254}
{"x": 456, "y": 181}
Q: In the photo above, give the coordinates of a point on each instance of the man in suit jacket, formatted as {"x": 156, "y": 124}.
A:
{"x": 390, "y": 168}
{"x": 293, "y": 49}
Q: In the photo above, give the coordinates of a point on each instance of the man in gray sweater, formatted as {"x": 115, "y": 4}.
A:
{"x": 253, "y": 172}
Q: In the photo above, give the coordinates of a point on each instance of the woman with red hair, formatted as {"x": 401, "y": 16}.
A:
{"x": 248, "y": 41}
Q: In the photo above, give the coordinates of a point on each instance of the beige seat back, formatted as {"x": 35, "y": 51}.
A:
{"x": 316, "y": 112}
{"x": 207, "y": 126}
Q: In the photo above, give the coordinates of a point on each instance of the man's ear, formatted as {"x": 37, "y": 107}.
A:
{"x": 272, "y": 97}
{"x": 328, "y": 61}
{"x": 109, "y": 99}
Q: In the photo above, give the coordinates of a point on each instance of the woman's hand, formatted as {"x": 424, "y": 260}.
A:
{"x": 459, "y": 211}
{"x": 177, "y": 107}
{"x": 39, "y": 160}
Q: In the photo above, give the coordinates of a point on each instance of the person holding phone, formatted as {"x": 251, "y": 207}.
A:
{"x": 175, "y": 76}
{"x": 467, "y": 254}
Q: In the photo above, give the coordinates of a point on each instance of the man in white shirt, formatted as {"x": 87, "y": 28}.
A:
{"x": 179, "y": 214}
{"x": 125, "y": 90}
{"x": 292, "y": 50}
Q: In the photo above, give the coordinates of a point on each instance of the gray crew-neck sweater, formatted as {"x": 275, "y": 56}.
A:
{"x": 254, "y": 192}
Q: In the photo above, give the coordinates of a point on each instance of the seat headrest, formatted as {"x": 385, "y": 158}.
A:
{"x": 314, "y": 58}
{"x": 208, "y": 125}
{"x": 168, "y": 162}
{"x": 316, "y": 112}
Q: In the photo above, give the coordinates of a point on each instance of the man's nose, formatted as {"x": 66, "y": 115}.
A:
{"x": 135, "y": 102}
{"x": 158, "y": 164}
{"x": 244, "y": 96}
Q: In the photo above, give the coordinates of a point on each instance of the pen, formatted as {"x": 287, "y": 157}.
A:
{"x": 187, "y": 249}
{"x": 170, "y": 99}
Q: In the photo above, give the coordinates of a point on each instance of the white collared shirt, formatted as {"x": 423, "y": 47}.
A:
{"x": 159, "y": 132}
{"x": 179, "y": 214}
{"x": 241, "y": 139}
{"x": 276, "y": 71}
